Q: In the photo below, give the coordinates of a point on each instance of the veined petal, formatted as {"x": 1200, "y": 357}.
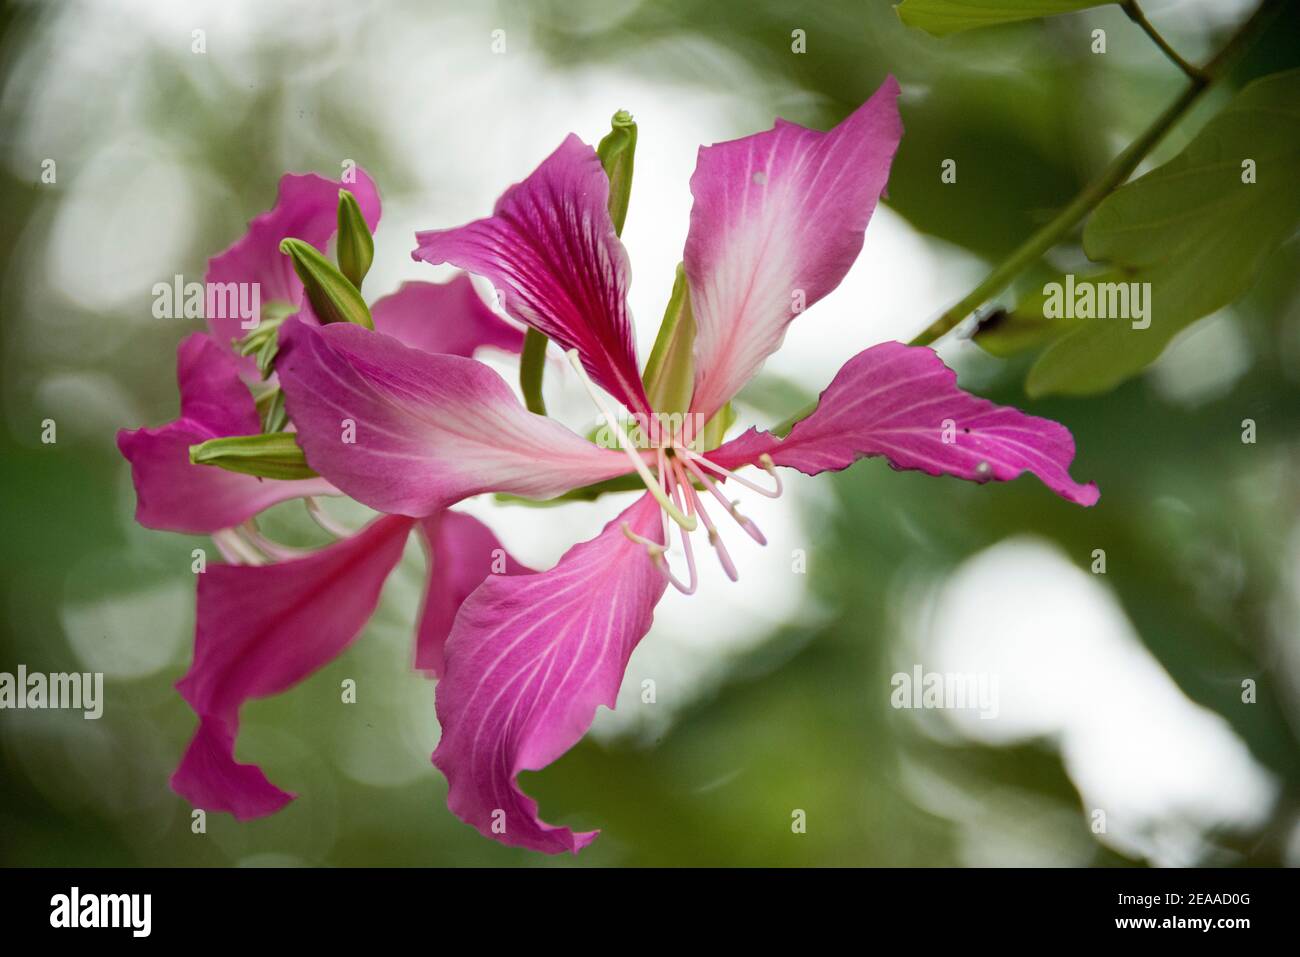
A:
{"x": 260, "y": 630}
{"x": 443, "y": 317}
{"x": 777, "y": 222}
{"x": 462, "y": 553}
{"x": 306, "y": 208}
{"x": 175, "y": 495}
{"x": 903, "y": 403}
{"x": 529, "y": 659}
{"x": 550, "y": 249}
{"x": 413, "y": 432}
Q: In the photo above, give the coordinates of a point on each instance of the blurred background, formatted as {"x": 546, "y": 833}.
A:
{"x": 1119, "y": 692}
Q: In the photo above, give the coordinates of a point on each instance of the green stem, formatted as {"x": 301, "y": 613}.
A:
{"x": 1119, "y": 170}
{"x": 532, "y": 364}
{"x": 1135, "y": 14}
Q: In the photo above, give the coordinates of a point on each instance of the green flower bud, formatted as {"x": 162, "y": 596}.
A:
{"x": 616, "y": 152}
{"x": 274, "y": 455}
{"x": 356, "y": 247}
{"x": 332, "y": 295}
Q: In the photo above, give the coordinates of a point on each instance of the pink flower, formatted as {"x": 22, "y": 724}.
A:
{"x": 274, "y": 615}
{"x": 778, "y": 219}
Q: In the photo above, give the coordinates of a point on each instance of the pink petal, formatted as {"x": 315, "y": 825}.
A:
{"x": 462, "y": 553}
{"x": 261, "y": 630}
{"x": 443, "y": 317}
{"x": 551, "y": 250}
{"x": 306, "y": 208}
{"x": 903, "y": 403}
{"x": 528, "y": 661}
{"x": 171, "y": 493}
{"x": 776, "y": 214}
{"x": 430, "y": 429}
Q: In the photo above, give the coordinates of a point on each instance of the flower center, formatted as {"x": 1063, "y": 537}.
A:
{"x": 673, "y": 484}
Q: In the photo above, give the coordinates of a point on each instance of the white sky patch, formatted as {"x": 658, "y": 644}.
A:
{"x": 124, "y": 227}
{"x": 1203, "y": 362}
{"x": 899, "y": 284}
{"x": 119, "y": 635}
{"x": 1071, "y": 668}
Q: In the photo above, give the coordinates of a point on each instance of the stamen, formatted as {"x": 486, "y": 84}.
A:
{"x": 320, "y": 517}
{"x": 236, "y": 549}
{"x": 750, "y": 528}
{"x": 656, "y": 553}
{"x": 228, "y": 549}
{"x": 697, "y": 507}
{"x": 651, "y": 483}
{"x": 664, "y": 481}
{"x": 685, "y": 537}
{"x": 764, "y": 462}
{"x": 651, "y": 546}
{"x": 273, "y": 550}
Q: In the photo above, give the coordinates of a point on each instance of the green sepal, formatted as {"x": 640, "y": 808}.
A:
{"x": 356, "y": 247}
{"x": 532, "y": 366}
{"x": 262, "y": 342}
{"x": 332, "y": 295}
{"x": 617, "y": 151}
{"x": 270, "y": 455}
{"x": 670, "y": 371}
{"x": 715, "y": 430}
{"x": 271, "y": 410}
{"x": 587, "y": 493}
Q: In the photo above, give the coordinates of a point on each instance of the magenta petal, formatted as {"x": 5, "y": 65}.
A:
{"x": 171, "y": 493}
{"x": 903, "y": 403}
{"x": 306, "y": 208}
{"x": 259, "y": 631}
{"x": 462, "y": 553}
{"x": 777, "y": 222}
{"x": 429, "y": 430}
{"x": 443, "y": 317}
{"x": 528, "y": 661}
{"x": 550, "y": 249}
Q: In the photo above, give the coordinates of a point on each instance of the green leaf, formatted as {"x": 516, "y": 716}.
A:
{"x": 271, "y": 455}
{"x": 332, "y": 295}
{"x": 356, "y": 247}
{"x": 942, "y": 17}
{"x": 616, "y": 152}
{"x": 1193, "y": 230}
{"x": 670, "y": 370}
{"x": 1030, "y": 325}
